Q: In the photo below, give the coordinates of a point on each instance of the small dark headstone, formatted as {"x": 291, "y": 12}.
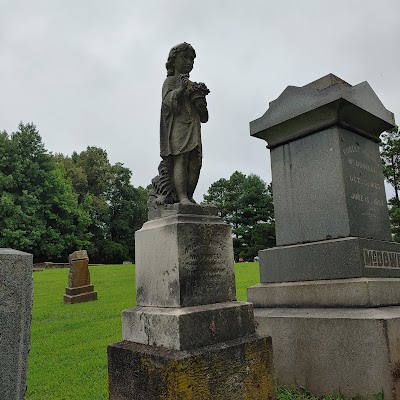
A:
{"x": 79, "y": 289}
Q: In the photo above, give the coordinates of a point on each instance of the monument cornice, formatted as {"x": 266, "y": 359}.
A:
{"x": 328, "y": 102}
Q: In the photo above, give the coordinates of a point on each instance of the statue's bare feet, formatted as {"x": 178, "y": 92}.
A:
{"x": 185, "y": 201}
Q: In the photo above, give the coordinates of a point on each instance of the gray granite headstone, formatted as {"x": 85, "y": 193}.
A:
{"x": 329, "y": 292}
{"x": 327, "y": 181}
{"x": 16, "y": 289}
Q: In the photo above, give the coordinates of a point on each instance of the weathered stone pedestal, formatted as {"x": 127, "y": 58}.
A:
{"x": 188, "y": 337}
{"x": 337, "y": 336}
{"x": 16, "y": 289}
{"x": 329, "y": 293}
{"x": 79, "y": 289}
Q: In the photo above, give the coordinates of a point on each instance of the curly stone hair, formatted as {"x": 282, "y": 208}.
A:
{"x": 170, "y": 65}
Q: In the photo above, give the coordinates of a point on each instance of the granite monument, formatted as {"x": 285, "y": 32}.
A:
{"x": 16, "y": 290}
{"x": 188, "y": 337}
{"x": 329, "y": 293}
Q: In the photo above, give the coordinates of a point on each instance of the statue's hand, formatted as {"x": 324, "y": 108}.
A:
{"x": 184, "y": 83}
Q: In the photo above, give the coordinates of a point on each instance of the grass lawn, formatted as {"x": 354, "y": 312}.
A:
{"x": 68, "y": 357}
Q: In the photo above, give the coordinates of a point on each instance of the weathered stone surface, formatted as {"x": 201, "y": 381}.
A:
{"x": 352, "y": 352}
{"x": 183, "y": 109}
{"x": 79, "y": 289}
{"x": 327, "y": 81}
{"x": 188, "y": 338}
{"x": 80, "y": 298}
{"x": 329, "y": 101}
{"x": 240, "y": 369}
{"x": 167, "y": 210}
{"x": 350, "y": 257}
{"x": 184, "y": 260}
{"x": 188, "y": 327}
{"x": 79, "y": 269}
{"x": 79, "y": 273}
{"x": 16, "y": 289}
{"x": 359, "y": 292}
{"x": 79, "y": 255}
{"x": 334, "y": 264}
{"x": 329, "y": 185}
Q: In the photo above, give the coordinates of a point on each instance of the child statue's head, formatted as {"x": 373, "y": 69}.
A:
{"x": 173, "y": 53}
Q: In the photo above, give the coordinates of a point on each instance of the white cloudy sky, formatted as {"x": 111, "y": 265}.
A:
{"x": 90, "y": 72}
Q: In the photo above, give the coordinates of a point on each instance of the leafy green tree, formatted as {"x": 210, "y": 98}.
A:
{"x": 113, "y": 252}
{"x": 53, "y": 205}
{"x": 117, "y": 208}
{"x": 39, "y": 210}
{"x": 390, "y": 156}
{"x": 394, "y": 214}
{"x": 94, "y": 161}
{"x": 90, "y": 175}
{"x": 246, "y": 203}
{"x": 75, "y": 173}
{"x": 128, "y": 208}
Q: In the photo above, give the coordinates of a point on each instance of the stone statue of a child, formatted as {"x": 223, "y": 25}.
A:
{"x": 183, "y": 108}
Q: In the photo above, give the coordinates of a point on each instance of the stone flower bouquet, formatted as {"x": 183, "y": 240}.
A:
{"x": 195, "y": 89}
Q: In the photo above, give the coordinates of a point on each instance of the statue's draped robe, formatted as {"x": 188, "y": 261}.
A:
{"x": 180, "y": 121}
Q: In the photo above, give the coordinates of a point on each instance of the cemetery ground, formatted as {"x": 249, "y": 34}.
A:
{"x": 68, "y": 356}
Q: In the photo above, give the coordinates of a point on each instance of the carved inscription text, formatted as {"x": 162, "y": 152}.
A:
{"x": 363, "y": 177}
{"x": 381, "y": 259}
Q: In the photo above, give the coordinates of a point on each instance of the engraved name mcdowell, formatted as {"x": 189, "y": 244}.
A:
{"x": 362, "y": 165}
{"x": 381, "y": 258}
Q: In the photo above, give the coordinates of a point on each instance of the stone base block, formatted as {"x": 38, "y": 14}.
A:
{"x": 80, "y": 294}
{"x": 240, "y": 369}
{"x": 354, "y": 352}
{"x": 73, "y": 291}
{"x": 350, "y": 257}
{"x": 184, "y": 259}
{"x": 189, "y": 327}
{"x": 359, "y": 292}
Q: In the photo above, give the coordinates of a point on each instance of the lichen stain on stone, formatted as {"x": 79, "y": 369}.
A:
{"x": 260, "y": 375}
{"x": 186, "y": 381}
{"x": 208, "y": 233}
{"x": 212, "y": 327}
{"x": 240, "y": 372}
{"x": 396, "y": 371}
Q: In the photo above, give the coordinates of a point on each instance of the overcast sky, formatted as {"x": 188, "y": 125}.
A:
{"x": 90, "y": 72}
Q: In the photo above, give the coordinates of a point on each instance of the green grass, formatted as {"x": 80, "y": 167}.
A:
{"x": 247, "y": 274}
{"x": 68, "y": 357}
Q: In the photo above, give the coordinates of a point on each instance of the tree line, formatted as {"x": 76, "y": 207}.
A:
{"x": 245, "y": 202}
{"x": 52, "y": 205}
{"x": 390, "y": 156}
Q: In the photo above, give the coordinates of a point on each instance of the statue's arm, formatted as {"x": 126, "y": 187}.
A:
{"x": 171, "y": 95}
